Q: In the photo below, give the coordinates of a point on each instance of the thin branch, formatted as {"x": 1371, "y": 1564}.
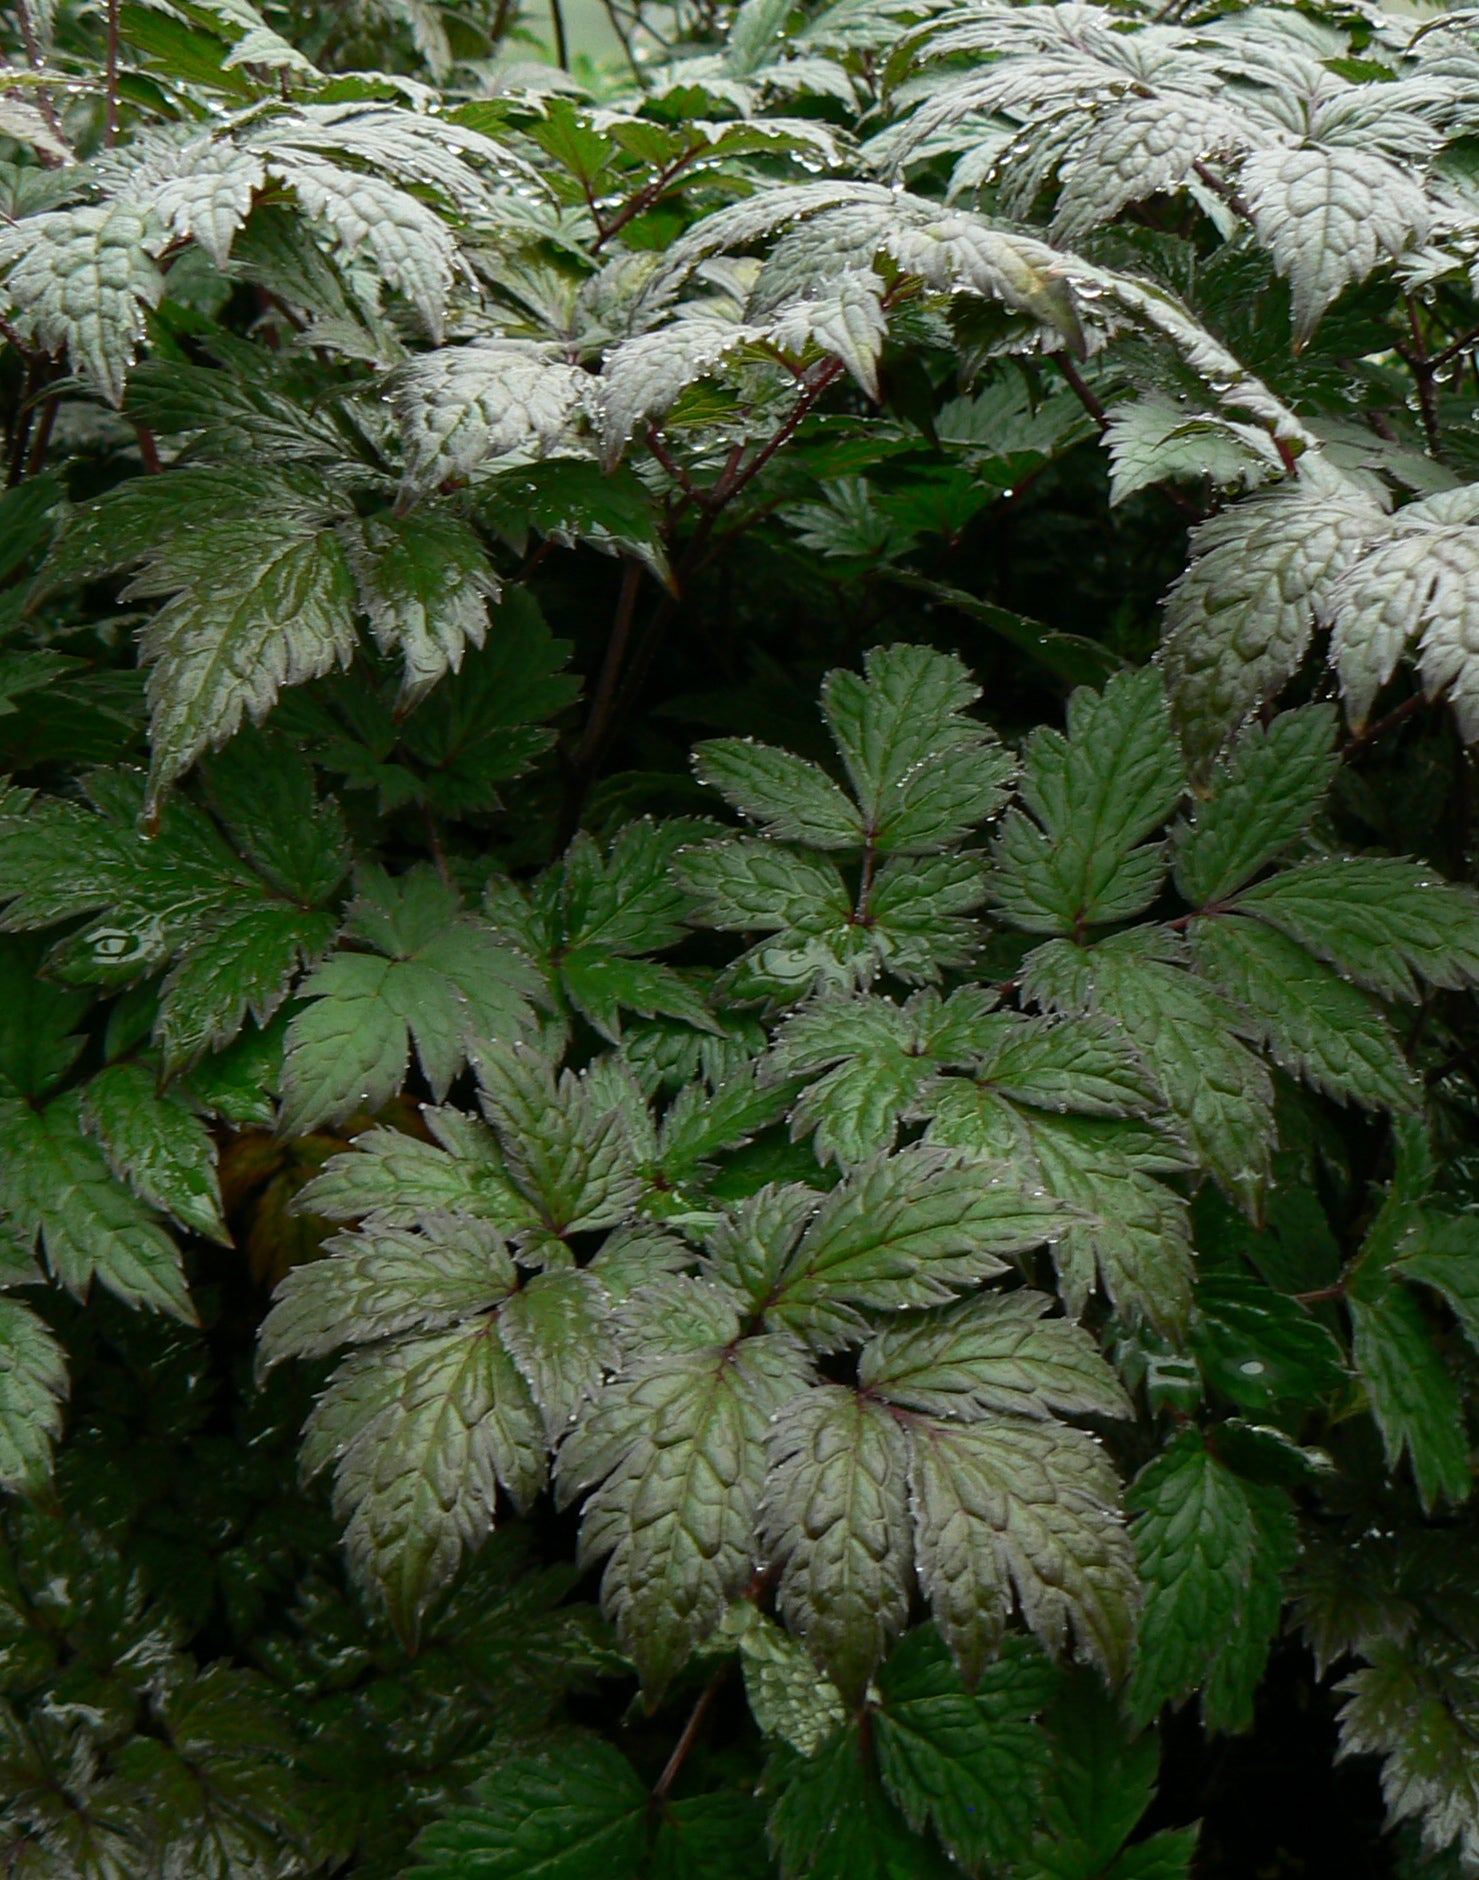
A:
{"x": 562, "y": 47}
{"x": 624, "y": 39}
{"x": 1409, "y": 708}
{"x": 597, "y": 725}
{"x": 1081, "y": 389}
{"x": 148, "y": 448}
{"x": 42, "y": 438}
{"x": 673, "y": 1767}
{"x": 646, "y": 196}
{"x": 1452, "y": 351}
{"x": 500, "y": 23}
{"x": 1424, "y": 373}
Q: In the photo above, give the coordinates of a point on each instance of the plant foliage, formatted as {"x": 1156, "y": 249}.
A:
{"x": 603, "y": 1275}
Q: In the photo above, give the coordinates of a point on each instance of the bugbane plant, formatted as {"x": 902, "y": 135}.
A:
{"x": 603, "y": 1274}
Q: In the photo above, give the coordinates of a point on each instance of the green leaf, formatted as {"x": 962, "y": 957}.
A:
{"x": 1413, "y": 1397}
{"x": 673, "y": 1457}
{"x": 1382, "y": 922}
{"x": 422, "y": 1434}
{"x": 579, "y": 1814}
{"x": 884, "y": 1056}
{"x": 787, "y": 1698}
{"x": 424, "y": 581}
{"x": 833, "y": 1820}
{"x": 749, "y": 886}
{"x": 33, "y": 1385}
{"x": 558, "y": 1330}
{"x": 568, "y": 1152}
{"x": 400, "y": 1178}
{"x": 38, "y": 1042}
{"x": 900, "y": 1233}
{"x": 1442, "y": 1251}
{"x": 1240, "y": 619}
{"x": 1227, "y": 1701}
{"x": 967, "y": 1764}
{"x": 1260, "y": 800}
{"x": 1120, "y": 1222}
{"x": 923, "y": 773}
{"x": 995, "y": 1352}
{"x": 1103, "y": 1780}
{"x": 436, "y": 977}
{"x": 1417, "y": 1714}
{"x": 720, "y": 1836}
{"x": 1311, "y": 1022}
{"x": 1211, "y": 1547}
{"x": 1261, "y": 1347}
{"x": 1187, "y": 1033}
{"x": 56, "y": 1187}
{"x": 788, "y": 796}
{"x": 261, "y": 601}
{"x": 1076, "y": 860}
{"x": 836, "y": 1518}
{"x": 385, "y": 1281}
{"x": 1004, "y": 1506}
{"x": 155, "y": 1144}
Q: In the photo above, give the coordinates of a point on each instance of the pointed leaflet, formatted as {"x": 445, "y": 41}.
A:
{"x": 156, "y": 1145}
{"x": 833, "y": 1820}
{"x": 1240, "y": 619}
{"x": 583, "y": 1812}
{"x": 883, "y": 1057}
{"x": 836, "y": 1518}
{"x": 1417, "y": 1714}
{"x": 425, "y": 583}
{"x": 1004, "y": 1507}
{"x": 33, "y": 1383}
{"x": 1124, "y": 1223}
{"x": 400, "y": 1179}
{"x": 559, "y": 1331}
{"x": 900, "y": 1233}
{"x": 383, "y": 1281}
{"x": 1230, "y": 1690}
{"x": 182, "y": 892}
{"x": 923, "y": 773}
{"x": 673, "y": 1454}
{"x": 56, "y": 1187}
{"x": 1155, "y": 440}
{"x": 1188, "y": 1034}
{"x": 1198, "y": 1540}
{"x": 1259, "y": 801}
{"x": 260, "y": 600}
{"x": 1327, "y": 215}
{"x": 1383, "y": 922}
{"x": 1412, "y": 1394}
{"x": 1442, "y": 1251}
{"x": 968, "y": 1764}
{"x": 1261, "y": 1347}
{"x": 81, "y": 281}
{"x": 462, "y": 407}
{"x": 1093, "y": 795}
{"x": 422, "y": 1435}
{"x": 994, "y": 1352}
{"x": 790, "y": 797}
{"x": 1415, "y": 586}
{"x": 437, "y": 977}
{"x": 565, "y": 1146}
{"x": 1311, "y": 1022}
{"x": 786, "y": 1697}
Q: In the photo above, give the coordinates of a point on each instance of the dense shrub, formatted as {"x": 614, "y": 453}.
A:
{"x": 815, "y": 1311}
